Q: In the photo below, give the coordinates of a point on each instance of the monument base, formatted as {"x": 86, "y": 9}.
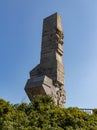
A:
{"x": 42, "y": 86}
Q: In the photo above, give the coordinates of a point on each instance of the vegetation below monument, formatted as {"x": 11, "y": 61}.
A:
{"x": 42, "y": 114}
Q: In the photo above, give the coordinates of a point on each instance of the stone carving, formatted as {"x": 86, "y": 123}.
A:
{"x": 47, "y": 78}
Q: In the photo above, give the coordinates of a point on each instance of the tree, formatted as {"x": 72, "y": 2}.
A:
{"x": 43, "y": 114}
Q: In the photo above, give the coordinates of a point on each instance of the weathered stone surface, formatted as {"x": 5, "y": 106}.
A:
{"x": 47, "y": 78}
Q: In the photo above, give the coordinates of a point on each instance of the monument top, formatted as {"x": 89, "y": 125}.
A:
{"x": 54, "y": 20}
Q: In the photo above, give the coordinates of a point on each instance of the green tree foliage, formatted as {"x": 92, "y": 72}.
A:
{"x": 95, "y": 111}
{"x": 42, "y": 114}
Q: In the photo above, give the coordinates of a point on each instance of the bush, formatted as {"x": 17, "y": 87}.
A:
{"x": 42, "y": 114}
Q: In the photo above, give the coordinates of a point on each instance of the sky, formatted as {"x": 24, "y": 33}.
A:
{"x": 20, "y": 46}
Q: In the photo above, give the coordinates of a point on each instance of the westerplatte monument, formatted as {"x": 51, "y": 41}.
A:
{"x": 47, "y": 78}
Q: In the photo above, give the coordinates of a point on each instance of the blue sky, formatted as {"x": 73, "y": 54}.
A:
{"x": 20, "y": 42}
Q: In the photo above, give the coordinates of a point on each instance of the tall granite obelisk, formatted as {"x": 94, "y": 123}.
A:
{"x": 47, "y": 78}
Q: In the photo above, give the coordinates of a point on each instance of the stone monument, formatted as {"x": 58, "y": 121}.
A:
{"x": 47, "y": 78}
